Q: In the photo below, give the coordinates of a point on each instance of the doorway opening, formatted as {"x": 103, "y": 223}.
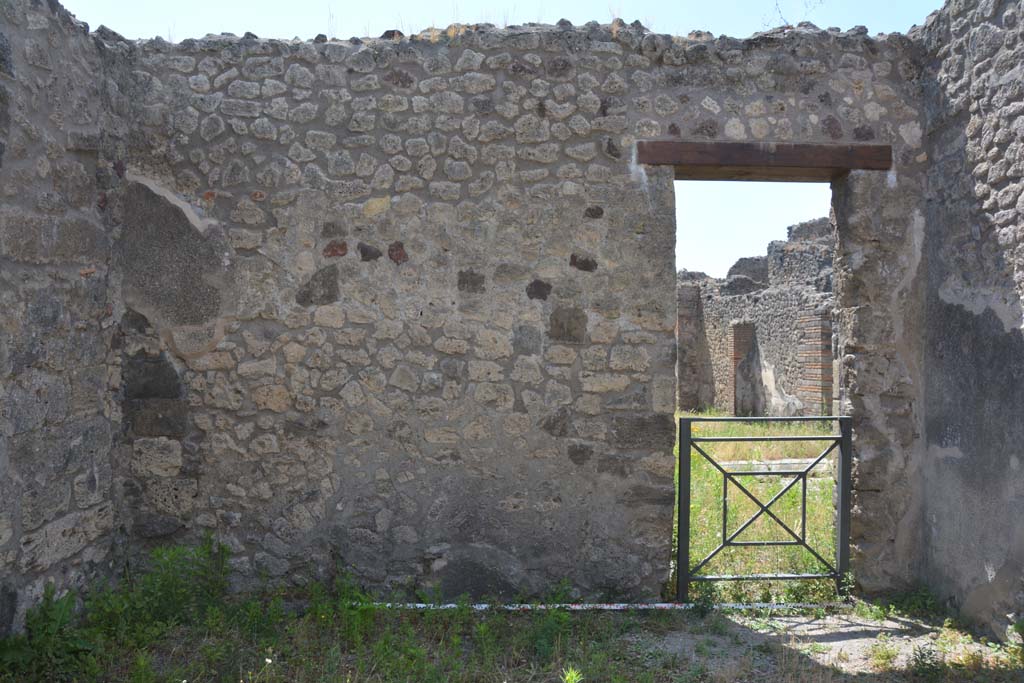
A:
{"x": 755, "y": 298}
{"x": 768, "y": 562}
{"x": 755, "y": 340}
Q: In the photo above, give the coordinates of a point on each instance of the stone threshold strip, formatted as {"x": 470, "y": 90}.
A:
{"x": 602, "y": 606}
{"x": 785, "y": 464}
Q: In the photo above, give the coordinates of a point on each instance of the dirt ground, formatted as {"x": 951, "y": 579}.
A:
{"x": 740, "y": 647}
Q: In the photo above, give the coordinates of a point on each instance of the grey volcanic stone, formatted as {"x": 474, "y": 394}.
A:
{"x": 568, "y": 324}
{"x": 322, "y": 288}
{"x": 145, "y": 376}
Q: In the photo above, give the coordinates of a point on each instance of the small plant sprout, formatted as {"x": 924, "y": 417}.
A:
{"x": 883, "y": 653}
{"x": 571, "y": 675}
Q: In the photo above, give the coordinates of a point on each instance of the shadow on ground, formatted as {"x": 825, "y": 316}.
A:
{"x": 738, "y": 648}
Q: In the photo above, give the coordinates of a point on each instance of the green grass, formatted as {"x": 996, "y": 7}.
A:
{"x": 175, "y": 621}
{"x": 706, "y": 493}
{"x": 883, "y": 653}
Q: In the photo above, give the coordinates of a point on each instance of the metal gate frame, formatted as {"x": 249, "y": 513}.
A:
{"x": 687, "y": 443}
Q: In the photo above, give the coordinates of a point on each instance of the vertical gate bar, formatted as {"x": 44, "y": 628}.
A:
{"x": 844, "y": 501}
{"x": 725, "y": 507}
{"x": 803, "y": 507}
{"x": 683, "y": 515}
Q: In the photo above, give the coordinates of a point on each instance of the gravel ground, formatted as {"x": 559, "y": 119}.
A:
{"x": 822, "y": 648}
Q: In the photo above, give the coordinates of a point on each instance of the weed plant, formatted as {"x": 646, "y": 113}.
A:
{"x": 174, "y": 620}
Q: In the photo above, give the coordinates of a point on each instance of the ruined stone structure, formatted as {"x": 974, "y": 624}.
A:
{"x": 407, "y": 304}
{"x": 759, "y": 341}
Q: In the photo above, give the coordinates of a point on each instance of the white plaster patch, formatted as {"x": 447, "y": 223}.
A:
{"x": 780, "y": 402}
{"x": 305, "y": 264}
{"x": 638, "y": 173}
{"x": 873, "y": 111}
{"x": 911, "y": 133}
{"x": 1005, "y": 304}
{"x": 856, "y": 259}
{"x": 37, "y": 22}
{"x": 912, "y": 260}
{"x": 198, "y": 222}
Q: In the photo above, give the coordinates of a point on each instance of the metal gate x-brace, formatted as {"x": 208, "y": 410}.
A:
{"x": 687, "y": 443}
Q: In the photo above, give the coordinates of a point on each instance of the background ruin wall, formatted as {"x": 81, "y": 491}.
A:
{"x": 406, "y": 306}
{"x": 786, "y": 296}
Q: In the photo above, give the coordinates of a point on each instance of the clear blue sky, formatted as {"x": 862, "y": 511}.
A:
{"x": 717, "y": 222}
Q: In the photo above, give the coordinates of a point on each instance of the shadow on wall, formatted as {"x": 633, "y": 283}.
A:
{"x": 974, "y": 347}
{"x": 751, "y": 398}
{"x": 696, "y": 383}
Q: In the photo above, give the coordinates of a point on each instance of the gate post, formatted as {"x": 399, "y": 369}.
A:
{"x": 843, "y": 502}
{"x": 683, "y": 515}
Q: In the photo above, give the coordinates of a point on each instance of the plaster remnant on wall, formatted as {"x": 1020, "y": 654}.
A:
{"x": 198, "y": 222}
{"x": 177, "y": 267}
{"x": 1005, "y": 305}
{"x": 945, "y": 452}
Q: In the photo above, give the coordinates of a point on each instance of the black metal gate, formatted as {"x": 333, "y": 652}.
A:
{"x": 835, "y": 570}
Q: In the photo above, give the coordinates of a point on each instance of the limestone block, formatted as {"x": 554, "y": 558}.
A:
{"x": 64, "y": 537}
{"x": 603, "y": 382}
{"x": 630, "y": 358}
{"x": 174, "y": 497}
{"x": 159, "y": 457}
{"x": 274, "y": 398}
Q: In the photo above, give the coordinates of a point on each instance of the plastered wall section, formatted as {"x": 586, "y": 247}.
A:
{"x": 974, "y": 553}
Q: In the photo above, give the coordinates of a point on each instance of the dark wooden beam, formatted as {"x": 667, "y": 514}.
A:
{"x": 763, "y": 160}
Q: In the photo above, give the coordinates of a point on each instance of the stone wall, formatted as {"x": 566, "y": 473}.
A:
{"x": 59, "y": 414}
{"x": 406, "y": 304}
{"x": 784, "y": 297}
{"x": 974, "y": 245}
{"x": 434, "y": 342}
{"x": 402, "y": 364}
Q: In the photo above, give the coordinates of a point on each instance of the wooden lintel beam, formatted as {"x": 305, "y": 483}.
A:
{"x": 763, "y": 160}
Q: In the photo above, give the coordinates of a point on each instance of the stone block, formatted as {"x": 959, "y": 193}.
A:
{"x": 156, "y": 417}
{"x": 321, "y": 289}
{"x": 156, "y": 457}
{"x": 568, "y": 324}
{"x": 144, "y": 376}
{"x": 471, "y": 282}
{"x": 175, "y": 497}
{"x": 492, "y": 344}
{"x": 64, "y": 537}
{"x": 629, "y": 358}
{"x": 149, "y": 525}
{"x": 35, "y": 398}
{"x": 275, "y": 398}
{"x": 494, "y": 395}
{"x": 656, "y": 432}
